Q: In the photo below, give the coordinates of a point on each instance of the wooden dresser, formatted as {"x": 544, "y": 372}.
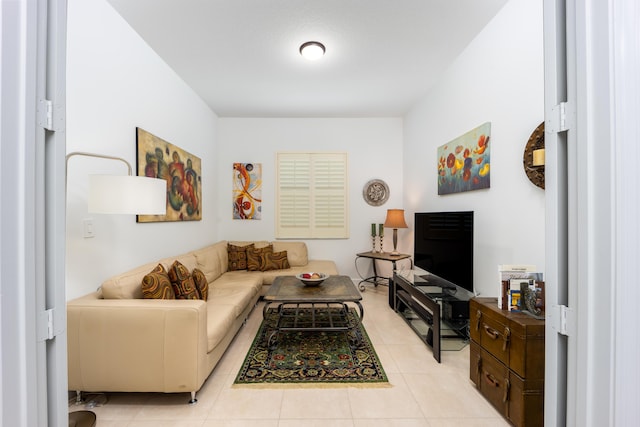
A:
{"x": 507, "y": 361}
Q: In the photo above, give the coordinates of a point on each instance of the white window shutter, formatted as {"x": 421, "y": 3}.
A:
{"x": 312, "y": 195}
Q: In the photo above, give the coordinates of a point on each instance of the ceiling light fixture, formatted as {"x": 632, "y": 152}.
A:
{"x": 312, "y": 50}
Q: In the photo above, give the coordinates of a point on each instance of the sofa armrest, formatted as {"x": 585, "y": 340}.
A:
{"x": 136, "y": 344}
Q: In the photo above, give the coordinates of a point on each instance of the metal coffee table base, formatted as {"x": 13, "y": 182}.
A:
{"x": 312, "y": 316}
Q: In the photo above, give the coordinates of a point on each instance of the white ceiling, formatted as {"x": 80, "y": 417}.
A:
{"x": 241, "y": 56}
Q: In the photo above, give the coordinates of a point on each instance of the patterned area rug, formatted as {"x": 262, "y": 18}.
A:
{"x": 312, "y": 357}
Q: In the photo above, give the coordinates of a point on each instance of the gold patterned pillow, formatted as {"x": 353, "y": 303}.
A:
{"x": 264, "y": 259}
{"x": 275, "y": 261}
{"x": 156, "y": 284}
{"x": 201, "y": 283}
{"x": 182, "y": 282}
{"x": 256, "y": 258}
{"x": 238, "y": 256}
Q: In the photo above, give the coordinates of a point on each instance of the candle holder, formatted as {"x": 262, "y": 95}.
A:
{"x": 373, "y": 239}
{"x": 381, "y": 239}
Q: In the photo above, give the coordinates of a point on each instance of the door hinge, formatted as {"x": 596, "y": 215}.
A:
{"x": 564, "y": 320}
{"x": 50, "y": 115}
{"x": 562, "y": 118}
{"x": 49, "y": 324}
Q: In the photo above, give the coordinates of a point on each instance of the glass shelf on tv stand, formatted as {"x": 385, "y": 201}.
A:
{"x": 418, "y": 296}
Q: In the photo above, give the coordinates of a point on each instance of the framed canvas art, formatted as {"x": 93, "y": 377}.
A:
{"x": 247, "y": 191}
{"x": 182, "y": 170}
{"x": 464, "y": 163}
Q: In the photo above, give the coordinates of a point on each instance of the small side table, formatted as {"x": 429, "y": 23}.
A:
{"x": 376, "y": 280}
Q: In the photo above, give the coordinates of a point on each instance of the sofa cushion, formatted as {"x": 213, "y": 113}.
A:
{"x": 297, "y": 254}
{"x": 220, "y": 318}
{"x": 201, "y": 283}
{"x": 321, "y": 266}
{"x": 238, "y": 297}
{"x": 256, "y": 243}
{"x": 233, "y": 279}
{"x": 126, "y": 285}
{"x": 157, "y": 285}
{"x": 237, "y": 256}
{"x": 212, "y": 260}
{"x": 182, "y": 282}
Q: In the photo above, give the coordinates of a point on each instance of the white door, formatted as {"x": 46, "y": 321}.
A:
{"x": 32, "y": 302}
{"x": 592, "y": 111}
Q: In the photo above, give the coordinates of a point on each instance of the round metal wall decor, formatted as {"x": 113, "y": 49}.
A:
{"x": 536, "y": 142}
{"x": 376, "y": 192}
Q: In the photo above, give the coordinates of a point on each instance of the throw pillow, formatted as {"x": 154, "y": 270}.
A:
{"x": 256, "y": 258}
{"x": 264, "y": 259}
{"x": 156, "y": 284}
{"x": 238, "y": 256}
{"x": 182, "y": 282}
{"x": 276, "y": 261}
{"x": 201, "y": 283}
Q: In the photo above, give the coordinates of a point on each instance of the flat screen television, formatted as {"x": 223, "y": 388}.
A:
{"x": 443, "y": 246}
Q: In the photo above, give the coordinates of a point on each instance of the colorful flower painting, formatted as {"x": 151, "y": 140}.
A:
{"x": 158, "y": 158}
{"x": 464, "y": 163}
{"x": 247, "y": 191}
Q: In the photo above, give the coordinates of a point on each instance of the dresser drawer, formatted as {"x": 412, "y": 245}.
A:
{"x": 520, "y": 401}
{"x": 515, "y": 339}
{"x": 490, "y": 377}
{"x": 490, "y": 331}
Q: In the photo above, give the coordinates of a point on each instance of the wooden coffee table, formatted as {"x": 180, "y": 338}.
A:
{"x": 312, "y": 308}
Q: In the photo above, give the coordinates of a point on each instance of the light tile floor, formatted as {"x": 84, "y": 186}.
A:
{"x": 424, "y": 393}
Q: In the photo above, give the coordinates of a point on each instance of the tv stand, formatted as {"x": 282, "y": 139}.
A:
{"x": 437, "y": 311}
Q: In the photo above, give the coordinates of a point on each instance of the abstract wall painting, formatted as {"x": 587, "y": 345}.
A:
{"x": 247, "y": 191}
{"x": 463, "y": 164}
{"x": 182, "y": 170}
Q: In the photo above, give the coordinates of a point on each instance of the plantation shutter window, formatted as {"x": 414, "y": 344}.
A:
{"x": 312, "y": 196}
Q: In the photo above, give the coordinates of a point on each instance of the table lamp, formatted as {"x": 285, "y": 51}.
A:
{"x": 395, "y": 220}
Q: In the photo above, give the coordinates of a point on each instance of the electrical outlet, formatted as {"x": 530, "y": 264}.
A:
{"x": 87, "y": 228}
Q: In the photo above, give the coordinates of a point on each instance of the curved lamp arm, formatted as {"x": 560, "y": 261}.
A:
{"x": 101, "y": 156}
{"x": 123, "y": 194}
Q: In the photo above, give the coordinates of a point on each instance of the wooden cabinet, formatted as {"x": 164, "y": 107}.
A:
{"x": 507, "y": 361}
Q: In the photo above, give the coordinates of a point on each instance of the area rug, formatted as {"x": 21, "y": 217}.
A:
{"x": 311, "y": 358}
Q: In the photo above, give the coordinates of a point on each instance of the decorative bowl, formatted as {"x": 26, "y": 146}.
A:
{"x": 311, "y": 279}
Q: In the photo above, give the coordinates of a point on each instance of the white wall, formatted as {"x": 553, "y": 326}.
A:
{"x": 374, "y": 147}
{"x": 498, "y": 78}
{"x": 115, "y": 82}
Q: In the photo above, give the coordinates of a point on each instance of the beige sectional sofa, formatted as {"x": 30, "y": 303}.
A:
{"x": 120, "y": 342}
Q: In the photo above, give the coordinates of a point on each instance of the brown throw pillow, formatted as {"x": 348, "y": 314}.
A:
{"x": 156, "y": 284}
{"x": 237, "y": 256}
{"x": 276, "y": 261}
{"x": 201, "y": 283}
{"x": 256, "y": 258}
{"x": 265, "y": 259}
{"x": 182, "y": 282}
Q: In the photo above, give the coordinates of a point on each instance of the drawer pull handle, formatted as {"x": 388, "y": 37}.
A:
{"x": 491, "y": 380}
{"x": 478, "y": 317}
{"x": 507, "y": 387}
{"x": 506, "y": 337}
{"x": 491, "y": 332}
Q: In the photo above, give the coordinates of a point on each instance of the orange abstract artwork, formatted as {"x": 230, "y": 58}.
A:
{"x": 247, "y": 191}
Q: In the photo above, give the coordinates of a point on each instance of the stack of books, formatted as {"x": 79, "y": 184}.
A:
{"x": 521, "y": 289}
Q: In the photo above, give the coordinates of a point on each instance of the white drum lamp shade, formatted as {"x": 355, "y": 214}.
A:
{"x": 126, "y": 194}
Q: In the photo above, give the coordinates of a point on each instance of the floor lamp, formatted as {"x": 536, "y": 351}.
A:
{"x": 395, "y": 220}
{"x": 119, "y": 194}
{"x": 124, "y": 194}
